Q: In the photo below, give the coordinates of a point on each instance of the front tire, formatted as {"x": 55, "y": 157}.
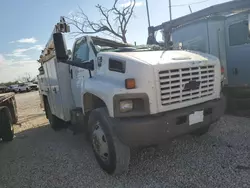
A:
{"x": 111, "y": 154}
{"x": 7, "y": 133}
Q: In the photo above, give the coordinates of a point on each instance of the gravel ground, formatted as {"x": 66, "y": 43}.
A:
{"x": 40, "y": 157}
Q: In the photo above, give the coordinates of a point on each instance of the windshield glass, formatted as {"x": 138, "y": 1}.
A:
{"x": 110, "y": 48}
{"x": 106, "y": 45}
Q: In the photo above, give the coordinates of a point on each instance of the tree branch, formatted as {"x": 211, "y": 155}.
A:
{"x": 116, "y": 26}
{"x": 130, "y": 14}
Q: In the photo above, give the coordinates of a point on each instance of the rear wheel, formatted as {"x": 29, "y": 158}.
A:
{"x": 7, "y": 129}
{"x": 54, "y": 121}
{"x": 111, "y": 154}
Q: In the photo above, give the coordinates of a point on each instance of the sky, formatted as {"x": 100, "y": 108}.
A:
{"x": 26, "y": 26}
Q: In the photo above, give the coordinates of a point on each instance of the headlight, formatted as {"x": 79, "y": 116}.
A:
{"x": 131, "y": 105}
{"x": 126, "y": 106}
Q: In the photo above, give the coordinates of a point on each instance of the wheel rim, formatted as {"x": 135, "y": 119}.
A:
{"x": 100, "y": 143}
{"x": 11, "y": 127}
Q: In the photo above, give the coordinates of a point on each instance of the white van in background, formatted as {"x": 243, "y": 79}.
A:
{"x": 32, "y": 86}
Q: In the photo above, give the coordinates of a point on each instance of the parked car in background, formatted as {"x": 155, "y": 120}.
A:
{"x": 3, "y": 89}
{"x": 19, "y": 88}
{"x": 12, "y": 88}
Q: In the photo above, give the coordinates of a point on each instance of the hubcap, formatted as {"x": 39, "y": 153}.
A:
{"x": 99, "y": 142}
{"x": 11, "y": 126}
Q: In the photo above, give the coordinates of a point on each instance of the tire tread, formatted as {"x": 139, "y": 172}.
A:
{"x": 122, "y": 152}
{"x": 6, "y": 123}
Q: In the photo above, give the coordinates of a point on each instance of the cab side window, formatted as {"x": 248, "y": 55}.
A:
{"x": 238, "y": 33}
{"x": 81, "y": 51}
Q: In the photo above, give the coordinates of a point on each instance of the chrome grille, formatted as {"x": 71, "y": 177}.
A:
{"x": 172, "y": 84}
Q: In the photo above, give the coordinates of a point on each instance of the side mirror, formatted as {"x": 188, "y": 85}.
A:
{"x": 60, "y": 47}
{"x": 69, "y": 52}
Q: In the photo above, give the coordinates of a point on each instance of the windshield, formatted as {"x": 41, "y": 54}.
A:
{"x": 106, "y": 45}
{"x": 140, "y": 48}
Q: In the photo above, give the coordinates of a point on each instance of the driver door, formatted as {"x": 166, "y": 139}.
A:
{"x": 238, "y": 48}
{"x": 78, "y": 75}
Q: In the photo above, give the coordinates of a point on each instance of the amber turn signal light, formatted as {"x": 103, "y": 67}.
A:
{"x": 130, "y": 83}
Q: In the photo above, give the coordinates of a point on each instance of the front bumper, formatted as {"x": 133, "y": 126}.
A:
{"x": 160, "y": 128}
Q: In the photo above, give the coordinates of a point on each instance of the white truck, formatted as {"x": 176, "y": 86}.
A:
{"x": 32, "y": 86}
{"x": 222, "y": 30}
{"x": 125, "y": 96}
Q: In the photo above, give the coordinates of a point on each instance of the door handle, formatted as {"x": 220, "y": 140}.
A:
{"x": 71, "y": 73}
{"x": 54, "y": 89}
{"x": 235, "y": 71}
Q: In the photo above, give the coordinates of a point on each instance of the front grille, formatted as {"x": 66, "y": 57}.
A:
{"x": 172, "y": 84}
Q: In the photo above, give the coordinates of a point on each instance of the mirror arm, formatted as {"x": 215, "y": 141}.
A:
{"x": 89, "y": 65}
{"x": 90, "y": 75}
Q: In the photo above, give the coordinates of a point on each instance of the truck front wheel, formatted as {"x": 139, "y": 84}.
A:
{"x": 7, "y": 129}
{"x": 111, "y": 154}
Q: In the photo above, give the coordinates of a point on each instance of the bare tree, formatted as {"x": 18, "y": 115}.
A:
{"x": 26, "y": 78}
{"x": 113, "y": 21}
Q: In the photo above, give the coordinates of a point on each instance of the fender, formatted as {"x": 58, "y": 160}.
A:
{"x": 105, "y": 88}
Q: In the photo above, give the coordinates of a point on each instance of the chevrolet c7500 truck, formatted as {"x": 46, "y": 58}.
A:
{"x": 126, "y": 96}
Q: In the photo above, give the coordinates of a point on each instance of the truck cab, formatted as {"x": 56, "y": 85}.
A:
{"x": 225, "y": 36}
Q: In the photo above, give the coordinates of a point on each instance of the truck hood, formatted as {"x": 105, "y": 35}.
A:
{"x": 171, "y": 56}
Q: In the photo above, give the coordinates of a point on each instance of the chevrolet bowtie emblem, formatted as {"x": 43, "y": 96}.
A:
{"x": 192, "y": 85}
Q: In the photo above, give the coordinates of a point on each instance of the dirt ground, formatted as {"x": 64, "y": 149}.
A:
{"x": 41, "y": 157}
{"x": 29, "y": 112}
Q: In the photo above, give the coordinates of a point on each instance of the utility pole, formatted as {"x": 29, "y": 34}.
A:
{"x": 170, "y": 10}
{"x": 167, "y": 35}
{"x": 148, "y": 13}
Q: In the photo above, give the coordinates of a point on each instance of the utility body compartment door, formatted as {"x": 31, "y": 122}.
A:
{"x": 53, "y": 89}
